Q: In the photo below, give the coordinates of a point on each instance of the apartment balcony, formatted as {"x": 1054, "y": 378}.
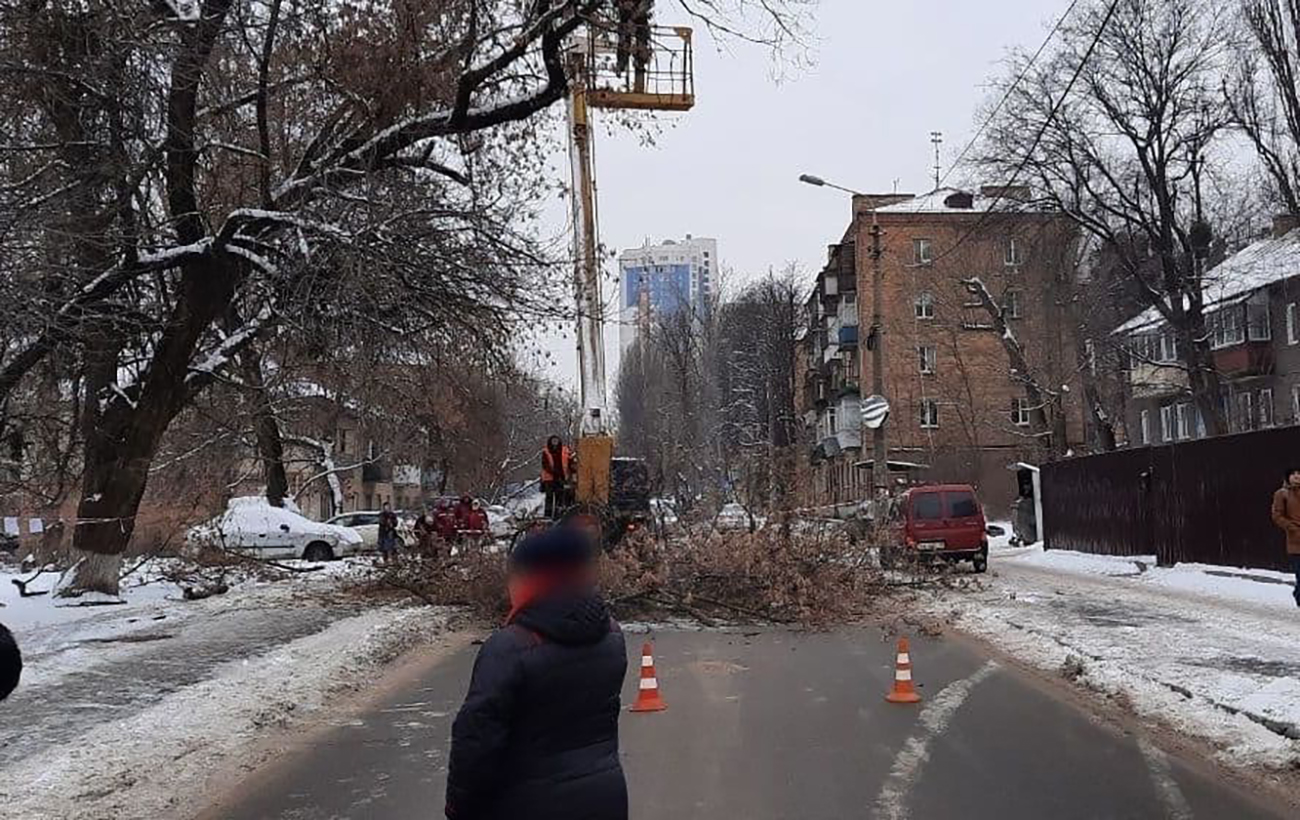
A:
{"x": 848, "y": 439}
{"x": 847, "y": 388}
{"x": 1246, "y": 359}
{"x": 376, "y": 473}
{"x": 848, "y": 336}
{"x": 1150, "y": 380}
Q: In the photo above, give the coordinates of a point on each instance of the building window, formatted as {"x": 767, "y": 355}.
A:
{"x": 1246, "y": 411}
{"x": 832, "y": 422}
{"x": 929, "y": 357}
{"x": 1257, "y": 324}
{"x": 1011, "y": 253}
{"x": 1226, "y": 327}
{"x": 1167, "y": 423}
{"x": 921, "y": 252}
{"x": 1020, "y": 412}
{"x": 925, "y": 306}
{"x": 1266, "y": 407}
{"x": 1291, "y": 329}
{"x": 1144, "y": 426}
{"x": 1184, "y": 418}
{"x": 1295, "y": 404}
{"x": 1011, "y": 304}
{"x": 343, "y": 441}
{"x": 929, "y": 413}
{"x": 849, "y": 360}
{"x": 1167, "y": 348}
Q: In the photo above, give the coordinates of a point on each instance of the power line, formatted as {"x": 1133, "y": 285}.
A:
{"x": 1038, "y": 137}
{"x": 1060, "y": 21}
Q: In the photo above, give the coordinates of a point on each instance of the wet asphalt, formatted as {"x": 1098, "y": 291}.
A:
{"x": 777, "y": 724}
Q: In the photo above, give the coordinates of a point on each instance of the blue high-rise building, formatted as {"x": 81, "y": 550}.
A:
{"x": 660, "y": 280}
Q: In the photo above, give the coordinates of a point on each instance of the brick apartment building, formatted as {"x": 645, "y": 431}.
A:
{"x": 956, "y": 407}
{"x": 828, "y": 372}
{"x": 1252, "y": 300}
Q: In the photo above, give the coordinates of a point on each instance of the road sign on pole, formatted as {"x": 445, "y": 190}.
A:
{"x": 875, "y": 409}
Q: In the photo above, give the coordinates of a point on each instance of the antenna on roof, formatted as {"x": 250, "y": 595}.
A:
{"x": 936, "y": 139}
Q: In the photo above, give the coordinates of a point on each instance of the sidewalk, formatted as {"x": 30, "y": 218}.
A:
{"x": 1203, "y": 649}
{"x": 126, "y": 711}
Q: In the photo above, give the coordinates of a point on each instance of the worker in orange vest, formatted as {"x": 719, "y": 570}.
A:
{"x": 557, "y": 475}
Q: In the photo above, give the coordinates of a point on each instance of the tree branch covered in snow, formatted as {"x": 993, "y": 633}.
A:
{"x": 1046, "y": 414}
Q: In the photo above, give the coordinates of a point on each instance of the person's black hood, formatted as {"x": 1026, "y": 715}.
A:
{"x": 571, "y": 618}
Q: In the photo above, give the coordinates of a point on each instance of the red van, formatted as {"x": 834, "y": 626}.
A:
{"x": 942, "y": 521}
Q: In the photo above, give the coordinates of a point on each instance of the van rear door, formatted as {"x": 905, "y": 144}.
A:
{"x": 926, "y": 519}
{"x": 963, "y": 520}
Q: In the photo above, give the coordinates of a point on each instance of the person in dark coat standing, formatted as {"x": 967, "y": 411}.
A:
{"x": 537, "y": 736}
{"x": 388, "y": 540}
{"x": 1286, "y": 515}
{"x": 11, "y": 662}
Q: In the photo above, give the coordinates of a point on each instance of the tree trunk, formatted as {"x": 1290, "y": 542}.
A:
{"x": 266, "y": 426}
{"x": 93, "y": 572}
{"x": 129, "y": 431}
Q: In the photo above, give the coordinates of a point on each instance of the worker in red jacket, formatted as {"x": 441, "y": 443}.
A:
{"x": 557, "y": 475}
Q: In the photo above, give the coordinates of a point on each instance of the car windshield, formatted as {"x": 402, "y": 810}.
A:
{"x": 962, "y": 504}
{"x": 927, "y": 507}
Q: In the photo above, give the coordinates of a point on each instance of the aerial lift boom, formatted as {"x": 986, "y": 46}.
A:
{"x": 649, "y": 69}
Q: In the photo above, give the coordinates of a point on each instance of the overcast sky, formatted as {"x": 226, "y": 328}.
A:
{"x": 886, "y": 74}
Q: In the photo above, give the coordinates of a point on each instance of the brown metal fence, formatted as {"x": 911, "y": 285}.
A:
{"x": 1200, "y": 501}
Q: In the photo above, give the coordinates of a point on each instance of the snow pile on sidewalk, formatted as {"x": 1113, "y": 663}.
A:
{"x": 1212, "y": 654}
{"x": 127, "y": 711}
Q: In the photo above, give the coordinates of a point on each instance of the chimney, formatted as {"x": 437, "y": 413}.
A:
{"x": 1283, "y": 224}
{"x": 1016, "y": 193}
{"x": 960, "y": 200}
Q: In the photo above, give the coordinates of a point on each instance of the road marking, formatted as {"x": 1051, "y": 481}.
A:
{"x": 1162, "y": 776}
{"x": 934, "y": 719}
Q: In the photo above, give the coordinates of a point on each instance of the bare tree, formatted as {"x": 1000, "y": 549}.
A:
{"x": 176, "y": 192}
{"x": 1263, "y": 93}
{"x": 1118, "y": 130}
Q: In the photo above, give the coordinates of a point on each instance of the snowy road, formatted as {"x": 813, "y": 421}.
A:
{"x": 1199, "y": 648}
{"x": 773, "y": 725}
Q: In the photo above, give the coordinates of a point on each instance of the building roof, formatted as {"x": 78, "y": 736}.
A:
{"x": 1255, "y": 266}
{"x": 940, "y": 202}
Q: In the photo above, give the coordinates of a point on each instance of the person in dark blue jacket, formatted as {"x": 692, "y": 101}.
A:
{"x": 537, "y": 736}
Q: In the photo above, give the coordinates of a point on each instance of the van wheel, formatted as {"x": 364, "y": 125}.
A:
{"x": 981, "y": 562}
{"x": 318, "y": 551}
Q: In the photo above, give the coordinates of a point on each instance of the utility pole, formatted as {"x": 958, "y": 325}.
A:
{"x": 879, "y": 462}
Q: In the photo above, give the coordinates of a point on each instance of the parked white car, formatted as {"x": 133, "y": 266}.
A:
{"x": 366, "y": 523}
{"x": 733, "y": 518}
{"x": 253, "y": 525}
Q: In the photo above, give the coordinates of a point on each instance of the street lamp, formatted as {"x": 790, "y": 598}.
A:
{"x": 821, "y": 183}
{"x": 879, "y": 462}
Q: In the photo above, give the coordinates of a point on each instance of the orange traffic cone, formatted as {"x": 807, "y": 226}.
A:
{"x": 903, "y": 691}
{"x": 647, "y": 699}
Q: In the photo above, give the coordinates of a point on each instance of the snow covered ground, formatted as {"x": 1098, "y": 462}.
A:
{"x": 127, "y": 710}
{"x": 1213, "y": 652}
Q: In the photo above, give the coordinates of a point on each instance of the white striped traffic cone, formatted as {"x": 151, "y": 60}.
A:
{"x": 647, "y": 699}
{"x": 903, "y": 691}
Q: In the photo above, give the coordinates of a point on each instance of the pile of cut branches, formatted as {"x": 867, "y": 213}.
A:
{"x": 775, "y": 575}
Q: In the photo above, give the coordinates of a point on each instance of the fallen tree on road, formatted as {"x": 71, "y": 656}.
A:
{"x": 771, "y": 576}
